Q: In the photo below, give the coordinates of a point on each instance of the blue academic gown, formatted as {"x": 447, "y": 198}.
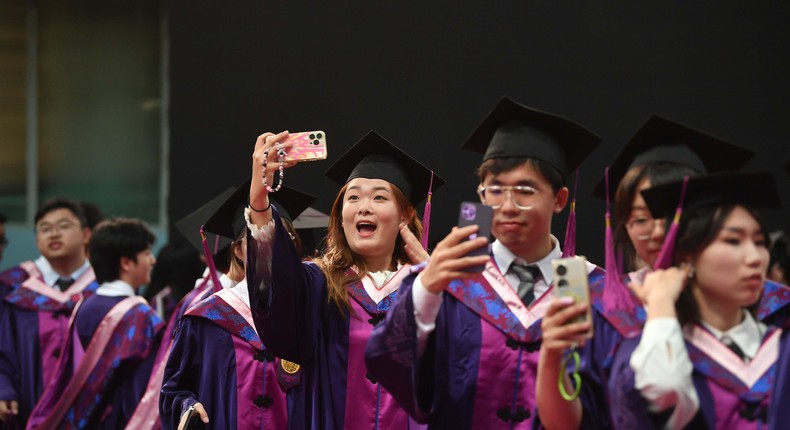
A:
{"x": 32, "y": 331}
{"x": 480, "y": 365}
{"x": 292, "y": 311}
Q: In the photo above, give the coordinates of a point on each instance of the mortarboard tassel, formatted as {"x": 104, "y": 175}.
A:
{"x": 569, "y": 247}
{"x": 664, "y": 259}
{"x": 426, "y": 216}
{"x": 611, "y": 265}
{"x": 212, "y": 269}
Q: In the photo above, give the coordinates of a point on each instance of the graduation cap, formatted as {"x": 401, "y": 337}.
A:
{"x": 374, "y": 157}
{"x": 756, "y": 190}
{"x": 514, "y": 130}
{"x": 661, "y": 140}
{"x": 228, "y": 219}
{"x": 189, "y": 226}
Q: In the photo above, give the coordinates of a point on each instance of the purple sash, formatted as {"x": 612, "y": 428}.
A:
{"x": 53, "y": 418}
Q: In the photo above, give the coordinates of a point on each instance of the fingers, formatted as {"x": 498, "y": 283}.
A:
{"x": 14, "y": 407}
{"x": 559, "y": 332}
{"x": 412, "y": 246}
{"x": 202, "y": 412}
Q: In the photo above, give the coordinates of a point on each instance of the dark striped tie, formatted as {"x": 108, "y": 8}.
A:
{"x": 527, "y": 276}
{"x": 63, "y": 284}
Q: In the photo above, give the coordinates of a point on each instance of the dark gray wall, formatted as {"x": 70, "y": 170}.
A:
{"x": 423, "y": 75}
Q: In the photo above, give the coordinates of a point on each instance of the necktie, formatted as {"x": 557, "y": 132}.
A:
{"x": 63, "y": 284}
{"x": 729, "y": 343}
{"x": 527, "y": 275}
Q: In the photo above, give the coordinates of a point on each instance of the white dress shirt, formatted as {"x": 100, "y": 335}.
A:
{"x": 662, "y": 368}
{"x": 427, "y": 304}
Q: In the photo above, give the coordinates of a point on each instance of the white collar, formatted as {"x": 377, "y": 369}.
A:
{"x": 748, "y": 335}
{"x": 240, "y": 291}
{"x": 116, "y": 288}
{"x": 227, "y": 282}
{"x": 505, "y": 257}
{"x": 50, "y": 275}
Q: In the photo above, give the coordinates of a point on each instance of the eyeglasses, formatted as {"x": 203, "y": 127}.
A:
{"x": 641, "y": 227}
{"x": 59, "y": 227}
{"x": 522, "y": 196}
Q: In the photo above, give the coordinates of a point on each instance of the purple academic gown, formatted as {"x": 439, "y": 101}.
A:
{"x": 618, "y": 315}
{"x": 732, "y": 394}
{"x": 480, "y": 364}
{"x": 779, "y": 412}
{"x": 119, "y": 378}
{"x": 33, "y": 326}
{"x": 300, "y": 324}
{"x": 218, "y": 360}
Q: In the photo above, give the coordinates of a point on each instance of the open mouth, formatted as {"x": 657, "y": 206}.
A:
{"x": 366, "y": 228}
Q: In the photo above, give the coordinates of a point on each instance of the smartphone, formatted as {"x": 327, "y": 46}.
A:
{"x": 481, "y": 215}
{"x": 307, "y": 146}
{"x": 570, "y": 280}
{"x": 193, "y": 421}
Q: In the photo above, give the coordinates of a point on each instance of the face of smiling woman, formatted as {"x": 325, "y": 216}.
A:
{"x": 371, "y": 218}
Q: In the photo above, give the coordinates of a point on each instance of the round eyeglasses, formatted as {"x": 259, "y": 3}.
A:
{"x": 522, "y": 196}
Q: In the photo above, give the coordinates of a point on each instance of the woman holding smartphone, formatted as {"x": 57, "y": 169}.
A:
{"x": 320, "y": 313}
{"x": 704, "y": 358}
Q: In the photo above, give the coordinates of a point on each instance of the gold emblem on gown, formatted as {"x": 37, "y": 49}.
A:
{"x": 289, "y": 366}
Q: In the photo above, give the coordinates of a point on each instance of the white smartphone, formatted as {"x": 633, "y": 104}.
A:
{"x": 570, "y": 280}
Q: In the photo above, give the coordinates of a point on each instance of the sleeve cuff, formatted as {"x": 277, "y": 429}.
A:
{"x": 264, "y": 233}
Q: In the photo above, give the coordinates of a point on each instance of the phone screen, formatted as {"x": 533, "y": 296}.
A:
{"x": 481, "y": 215}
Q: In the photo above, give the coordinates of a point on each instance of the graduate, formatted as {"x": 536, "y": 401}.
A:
{"x": 661, "y": 151}
{"x": 36, "y": 300}
{"x": 320, "y": 313}
{"x": 218, "y": 337}
{"x": 146, "y": 415}
{"x": 112, "y": 340}
{"x": 704, "y": 358}
{"x": 459, "y": 350}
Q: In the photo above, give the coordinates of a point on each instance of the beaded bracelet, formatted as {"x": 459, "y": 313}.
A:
{"x": 281, "y": 159}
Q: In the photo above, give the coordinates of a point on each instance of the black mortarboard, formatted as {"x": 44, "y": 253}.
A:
{"x": 515, "y": 130}
{"x": 660, "y": 140}
{"x": 189, "y": 226}
{"x": 374, "y": 157}
{"x": 228, "y": 220}
{"x": 757, "y": 190}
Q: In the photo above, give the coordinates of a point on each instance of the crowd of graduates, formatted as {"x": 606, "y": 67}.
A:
{"x": 683, "y": 324}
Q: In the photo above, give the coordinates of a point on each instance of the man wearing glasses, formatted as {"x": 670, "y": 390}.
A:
{"x": 460, "y": 350}
{"x": 37, "y": 300}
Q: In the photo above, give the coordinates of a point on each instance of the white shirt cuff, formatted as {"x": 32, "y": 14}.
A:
{"x": 662, "y": 371}
{"x": 263, "y": 233}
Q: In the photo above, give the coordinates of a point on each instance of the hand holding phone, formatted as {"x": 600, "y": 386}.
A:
{"x": 570, "y": 280}
{"x": 306, "y": 146}
{"x": 476, "y": 213}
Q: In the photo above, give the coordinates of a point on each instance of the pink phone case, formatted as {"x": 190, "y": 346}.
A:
{"x": 307, "y": 146}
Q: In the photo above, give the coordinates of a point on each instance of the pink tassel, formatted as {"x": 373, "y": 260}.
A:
{"x": 611, "y": 266}
{"x": 569, "y": 247}
{"x": 664, "y": 259}
{"x": 212, "y": 269}
{"x": 426, "y": 216}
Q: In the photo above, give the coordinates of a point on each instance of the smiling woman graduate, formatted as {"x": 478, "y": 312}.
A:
{"x": 320, "y": 313}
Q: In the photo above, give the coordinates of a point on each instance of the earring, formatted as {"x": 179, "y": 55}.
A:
{"x": 692, "y": 272}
